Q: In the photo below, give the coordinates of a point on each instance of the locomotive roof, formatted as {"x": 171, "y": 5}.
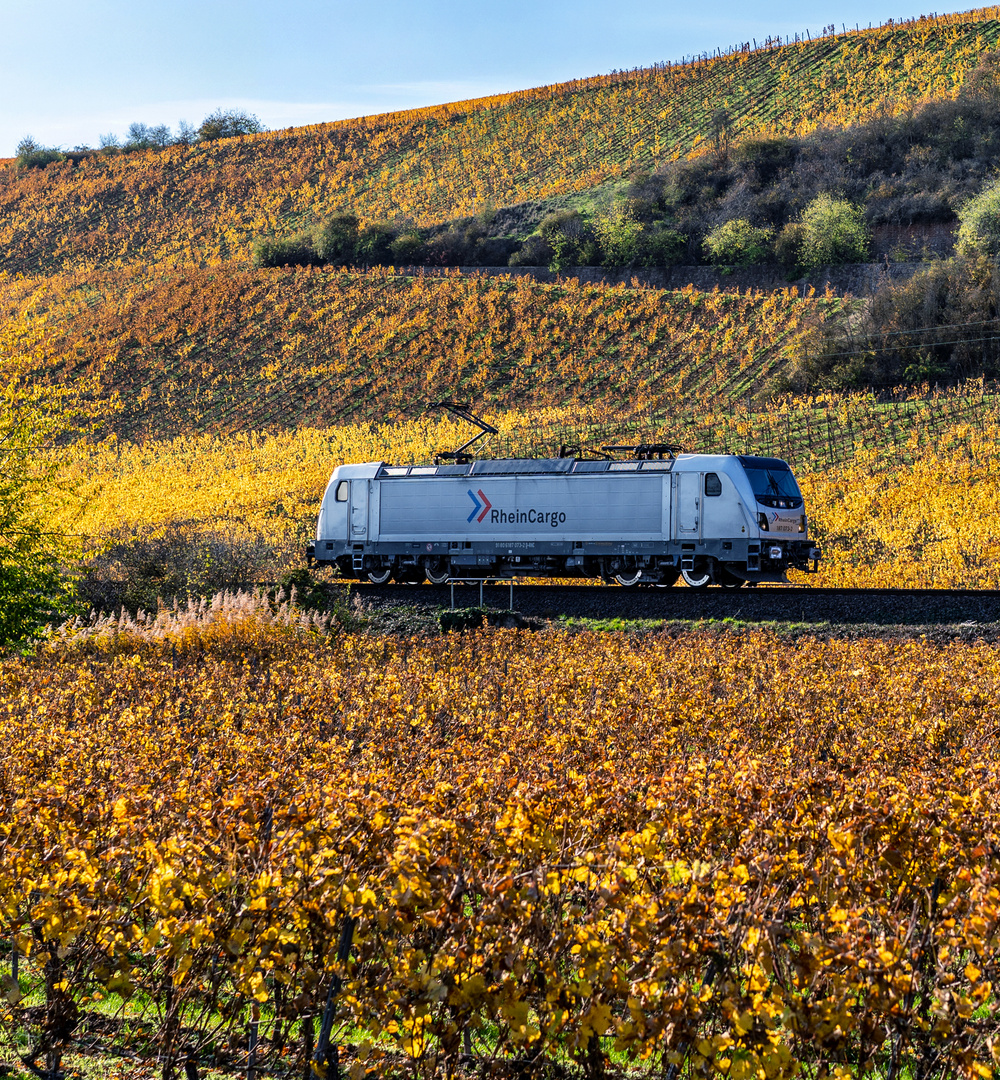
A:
{"x": 542, "y": 466}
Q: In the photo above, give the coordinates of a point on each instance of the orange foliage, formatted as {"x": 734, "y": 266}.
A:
{"x": 238, "y": 350}
{"x": 739, "y": 855}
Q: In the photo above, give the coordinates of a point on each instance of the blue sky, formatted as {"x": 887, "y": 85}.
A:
{"x": 72, "y": 70}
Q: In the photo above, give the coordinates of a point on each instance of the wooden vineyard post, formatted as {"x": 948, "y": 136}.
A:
{"x": 254, "y": 1039}
{"x": 324, "y": 1052}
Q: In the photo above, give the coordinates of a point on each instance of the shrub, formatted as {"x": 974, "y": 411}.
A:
{"x": 766, "y": 157}
{"x": 905, "y": 333}
{"x": 833, "y": 232}
{"x": 662, "y": 245}
{"x": 224, "y": 124}
{"x": 979, "y": 224}
{"x": 738, "y": 243}
{"x": 137, "y": 569}
{"x": 788, "y": 244}
{"x": 535, "y": 251}
{"x": 32, "y": 155}
{"x": 407, "y": 248}
{"x": 338, "y": 239}
{"x": 619, "y": 234}
{"x": 375, "y": 244}
{"x": 453, "y": 246}
{"x": 33, "y": 590}
{"x": 298, "y": 250}
{"x": 570, "y": 238}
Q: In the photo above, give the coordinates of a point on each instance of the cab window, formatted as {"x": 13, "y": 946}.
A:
{"x": 713, "y": 485}
{"x": 343, "y": 490}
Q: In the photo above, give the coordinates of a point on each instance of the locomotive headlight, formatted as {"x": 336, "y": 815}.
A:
{"x": 762, "y": 522}
{"x": 802, "y": 523}
{"x": 775, "y": 552}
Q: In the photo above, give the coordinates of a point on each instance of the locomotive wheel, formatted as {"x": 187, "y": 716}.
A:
{"x": 628, "y": 577}
{"x": 668, "y": 579}
{"x": 438, "y": 571}
{"x": 730, "y": 581}
{"x": 699, "y": 578}
{"x": 380, "y": 574}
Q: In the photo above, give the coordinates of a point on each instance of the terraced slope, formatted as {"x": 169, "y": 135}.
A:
{"x": 232, "y": 349}
{"x": 202, "y": 206}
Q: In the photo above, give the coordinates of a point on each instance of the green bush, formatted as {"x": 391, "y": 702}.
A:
{"x": 738, "y": 243}
{"x": 337, "y": 241}
{"x": 407, "y": 248}
{"x": 298, "y": 250}
{"x": 833, "y": 232}
{"x": 979, "y": 224}
{"x": 619, "y": 234}
{"x": 570, "y": 239}
{"x": 33, "y": 588}
{"x": 662, "y": 245}
{"x": 32, "y": 155}
{"x": 535, "y": 251}
{"x": 788, "y": 245}
{"x": 375, "y": 244}
{"x": 225, "y": 123}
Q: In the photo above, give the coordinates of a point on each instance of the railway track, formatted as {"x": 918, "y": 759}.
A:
{"x": 767, "y": 603}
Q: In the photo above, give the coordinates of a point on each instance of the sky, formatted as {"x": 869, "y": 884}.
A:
{"x": 73, "y": 70}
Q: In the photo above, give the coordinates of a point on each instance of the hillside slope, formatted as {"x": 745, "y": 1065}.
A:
{"x": 203, "y": 205}
{"x": 231, "y": 349}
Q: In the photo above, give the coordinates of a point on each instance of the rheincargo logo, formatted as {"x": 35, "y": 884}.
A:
{"x": 555, "y": 518}
{"x": 481, "y": 506}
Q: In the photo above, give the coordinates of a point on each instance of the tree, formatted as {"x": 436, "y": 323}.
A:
{"x": 569, "y": 237}
{"x": 979, "y": 224}
{"x": 224, "y": 124}
{"x": 186, "y": 134}
{"x": 32, "y": 155}
{"x": 338, "y": 239}
{"x": 738, "y": 243}
{"x": 833, "y": 232}
{"x": 618, "y": 233}
{"x": 34, "y": 588}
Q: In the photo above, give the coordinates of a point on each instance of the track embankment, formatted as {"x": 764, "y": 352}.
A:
{"x": 938, "y": 613}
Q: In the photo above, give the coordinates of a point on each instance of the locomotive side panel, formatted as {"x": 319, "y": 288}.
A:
{"x": 536, "y": 508}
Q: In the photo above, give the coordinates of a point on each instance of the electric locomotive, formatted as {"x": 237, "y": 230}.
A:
{"x": 650, "y": 517}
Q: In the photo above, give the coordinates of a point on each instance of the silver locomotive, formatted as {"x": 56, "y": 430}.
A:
{"x": 649, "y": 518}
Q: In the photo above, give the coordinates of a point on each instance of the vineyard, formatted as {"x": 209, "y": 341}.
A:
{"x": 247, "y": 838}
{"x": 902, "y": 492}
{"x": 203, "y": 206}
{"x": 233, "y": 841}
{"x": 229, "y": 350}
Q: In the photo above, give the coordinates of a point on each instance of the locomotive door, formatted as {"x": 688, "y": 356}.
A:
{"x": 688, "y": 504}
{"x": 359, "y": 509}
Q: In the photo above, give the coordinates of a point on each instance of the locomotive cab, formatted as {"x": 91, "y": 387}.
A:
{"x": 781, "y": 521}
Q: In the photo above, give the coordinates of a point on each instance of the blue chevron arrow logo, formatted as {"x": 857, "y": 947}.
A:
{"x": 476, "y": 506}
